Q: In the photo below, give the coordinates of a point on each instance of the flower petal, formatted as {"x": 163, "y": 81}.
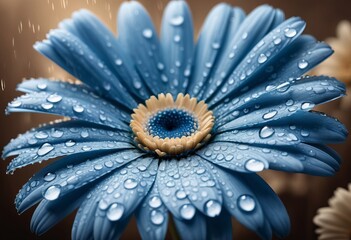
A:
{"x": 177, "y": 44}
{"x": 220, "y": 25}
{"x": 152, "y": 216}
{"x": 124, "y": 191}
{"x": 85, "y": 65}
{"x": 193, "y": 229}
{"x": 75, "y": 172}
{"x": 200, "y": 186}
{"x": 138, "y": 38}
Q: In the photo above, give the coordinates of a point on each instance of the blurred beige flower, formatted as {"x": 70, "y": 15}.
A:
{"x": 334, "y": 222}
{"x": 339, "y": 64}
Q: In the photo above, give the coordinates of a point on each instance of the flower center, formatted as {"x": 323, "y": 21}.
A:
{"x": 171, "y": 127}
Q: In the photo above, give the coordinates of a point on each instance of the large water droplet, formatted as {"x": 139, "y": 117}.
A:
{"x": 47, "y": 106}
{"x": 54, "y": 98}
{"x": 269, "y": 115}
{"x": 147, "y": 33}
{"x": 155, "y": 202}
{"x": 52, "y": 193}
{"x": 115, "y": 212}
{"x": 254, "y": 165}
{"x": 130, "y": 183}
{"x": 157, "y": 217}
{"x": 187, "y": 211}
{"x": 49, "y": 177}
{"x": 302, "y": 64}
{"x": 246, "y": 203}
{"x": 266, "y": 132}
{"x": 213, "y": 208}
{"x": 177, "y": 20}
{"x": 290, "y": 32}
{"x": 78, "y": 108}
{"x": 262, "y": 58}
{"x": 180, "y": 194}
{"x": 45, "y": 149}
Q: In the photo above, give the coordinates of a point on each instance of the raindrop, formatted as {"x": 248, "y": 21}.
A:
{"x": 266, "y": 132}
{"x": 254, "y": 165}
{"x": 52, "y": 193}
{"x": 180, "y": 194}
{"x": 307, "y": 105}
{"x": 177, "y": 21}
{"x": 187, "y": 211}
{"x": 290, "y": 32}
{"x": 15, "y": 103}
{"x": 216, "y": 45}
{"x": 78, "y": 108}
{"x": 262, "y": 58}
{"x": 118, "y": 62}
{"x": 45, "y": 149}
{"x": 49, "y": 177}
{"x": 157, "y": 217}
{"x": 41, "y": 135}
{"x": 155, "y": 202}
{"x": 130, "y": 183}
{"x": 57, "y": 134}
{"x": 302, "y": 64}
{"x": 47, "y": 106}
{"x": 54, "y": 98}
{"x": 246, "y": 203}
{"x": 305, "y": 133}
{"x": 84, "y": 134}
{"x": 213, "y": 208}
{"x": 42, "y": 86}
{"x": 70, "y": 143}
{"x": 147, "y": 33}
{"x": 177, "y": 38}
{"x": 269, "y": 115}
{"x": 277, "y": 41}
{"x": 115, "y": 212}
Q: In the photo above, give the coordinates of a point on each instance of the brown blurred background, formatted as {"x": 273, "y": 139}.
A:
{"x": 24, "y": 22}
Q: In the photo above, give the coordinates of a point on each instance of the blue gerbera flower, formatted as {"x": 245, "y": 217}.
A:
{"x": 163, "y": 125}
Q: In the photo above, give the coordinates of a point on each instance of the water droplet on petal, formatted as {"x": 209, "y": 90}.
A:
{"x": 290, "y": 32}
{"x": 262, "y": 58}
{"x": 157, "y": 217}
{"x": 52, "y": 193}
{"x": 54, "y": 98}
{"x": 42, "y": 86}
{"x": 15, "y": 103}
{"x": 187, "y": 211}
{"x": 213, "y": 208}
{"x": 277, "y": 41}
{"x": 78, "y": 108}
{"x": 47, "y": 106}
{"x": 246, "y": 203}
{"x": 41, "y": 135}
{"x": 155, "y": 202}
{"x": 130, "y": 183}
{"x": 118, "y": 62}
{"x": 177, "y": 20}
{"x": 147, "y": 33}
{"x": 180, "y": 194}
{"x": 254, "y": 165}
{"x": 115, "y": 212}
{"x": 266, "y": 132}
{"x": 70, "y": 143}
{"x": 307, "y": 105}
{"x": 45, "y": 149}
{"x": 269, "y": 115}
{"x": 49, "y": 177}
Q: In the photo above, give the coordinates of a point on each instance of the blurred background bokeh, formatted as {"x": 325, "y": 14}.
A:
{"x": 24, "y": 22}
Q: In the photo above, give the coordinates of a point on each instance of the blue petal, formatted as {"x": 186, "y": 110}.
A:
{"x": 240, "y": 201}
{"x": 124, "y": 191}
{"x": 49, "y": 213}
{"x": 171, "y": 190}
{"x": 84, "y": 64}
{"x": 305, "y": 49}
{"x": 257, "y": 60}
{"x": 250, "y": 32}
{"x": 220, "y": 26}
{"x": 194, "y": 229}
{"x": 92, "y": 32}
{"x": 200, "y": 186}
{"x": 138, "y": 38}
{"x": 177, "y": 44}
{"x": 152, "y": 216}
{"x": 69, "y": 132}
{"x": 282, "y": 101}
{"x": 71, "y": 173}
{"x": 219, "y": 227}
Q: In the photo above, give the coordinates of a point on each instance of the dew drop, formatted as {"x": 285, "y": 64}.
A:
{"x": 254, "y": 165}
{"x": 157, "y": 217}
{"x": 246, "y": 203}
{"x": 47, "y": 106}
{"x": 302, "y": 64}
{"x": 187, "y": 211}
{"x": 269, "y": 115}
{"x": 41, "y": 135}
{"x": 115, "y": 212}
{"x": 266, "y": 132}
{"x": 177, "y": 20}
{"x": 118, "y": 62}
{"x": 15, "y": 103}
{"x": 155, "y": 202}
{"x": 180, "y": 194}
{"x": 130, "y": 183}
{"x": 213, "y": 208}
{"x": 290, "y": 32}
{"x": 84, "y": 134}
{"x": 57, "y": 134}
{"x": 307, "y": 105}
{"x": 42, "y": 86}
{"x": 45, "y": 149}
{"x": 49, "y": 177}
{"x": 277, "y": 41}
{"x": 70, "y": 143}
{"x": 52, "y": 193}
{"x": 216, "y": 45}
{"x": 54, "y": 98}
{"x": 78, "y": 108}
{"x": 147, "y": 33}
{"x": 262, "y": 58}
